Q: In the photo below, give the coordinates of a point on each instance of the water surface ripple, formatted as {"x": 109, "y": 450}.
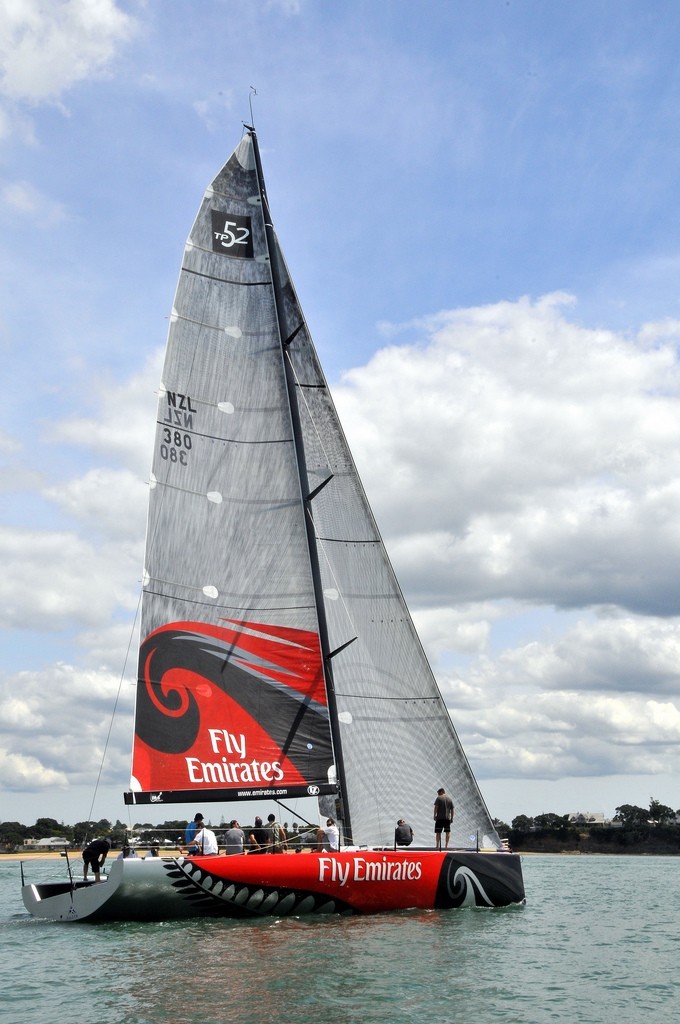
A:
{"x": 598, "y": 942}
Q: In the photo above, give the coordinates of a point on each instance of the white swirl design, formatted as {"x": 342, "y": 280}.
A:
{"x": 467, "y": 881}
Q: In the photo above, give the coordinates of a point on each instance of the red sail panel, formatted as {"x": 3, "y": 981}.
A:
{"x": 239, "y": 706}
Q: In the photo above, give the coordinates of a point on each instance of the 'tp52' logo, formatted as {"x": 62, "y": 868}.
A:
{"x": 232, "y": 235}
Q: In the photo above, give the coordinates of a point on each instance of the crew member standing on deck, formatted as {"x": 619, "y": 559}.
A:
{"x": 277, "y": 835}
{"x": 443, "y": 816}
{"x": 258, "y": 840}
{"x": 234, "y": 838}
{"x": 94, "y": 855}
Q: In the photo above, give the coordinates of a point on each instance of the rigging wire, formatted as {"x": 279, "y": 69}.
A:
{"x": 115, "y": 708}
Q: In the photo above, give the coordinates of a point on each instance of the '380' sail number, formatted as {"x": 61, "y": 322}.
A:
{"x": 175, "y": 446}
{"x": 232, "y": 234}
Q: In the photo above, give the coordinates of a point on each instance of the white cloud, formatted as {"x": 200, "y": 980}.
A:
{"x": 518, "y": 460}
{"x": 464, "y": 629}
{"x": 23, "y": 199}
{"x": 123, "y": 427}
{"x": 46, "y": 48}
{"x": 600, "y": 699}
{"x": 27, "y": 773}
{"x": 213, "y": 109}
{"x": 34, "y": 754}
{"x": 110, "y": 502}
{"x": 516, "y": 454}
{"x": 53, "y": 579}
{"x": 9, "y": 445}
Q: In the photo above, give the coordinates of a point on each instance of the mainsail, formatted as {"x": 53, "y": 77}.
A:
{"x": 278, "y": 656}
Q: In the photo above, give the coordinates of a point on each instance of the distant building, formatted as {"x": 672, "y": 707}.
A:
{"x": 53, "y": 843}
{"x": 587, "y": 818}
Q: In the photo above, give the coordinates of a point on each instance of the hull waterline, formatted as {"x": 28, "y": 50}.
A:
{"x": 348, "y": 882}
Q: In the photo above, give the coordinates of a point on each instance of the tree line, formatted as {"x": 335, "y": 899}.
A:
{"x": 633, "y": 829}
{"x": 655, "y": 826}
{"x": 14, "y": 833}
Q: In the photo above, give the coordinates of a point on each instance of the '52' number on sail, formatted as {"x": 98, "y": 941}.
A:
{"x": 231, "y": 234}
{"x": 175, "y": 445}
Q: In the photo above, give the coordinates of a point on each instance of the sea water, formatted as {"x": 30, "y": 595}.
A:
{"x": 598, "y": 942}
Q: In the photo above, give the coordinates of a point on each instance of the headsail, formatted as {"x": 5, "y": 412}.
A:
{"x": 395, "y": 740}
{"x": 277, "y": 643}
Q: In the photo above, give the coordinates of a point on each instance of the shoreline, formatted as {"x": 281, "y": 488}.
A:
{"x": 30, "y": 855}
{"x": 73, "y": 854}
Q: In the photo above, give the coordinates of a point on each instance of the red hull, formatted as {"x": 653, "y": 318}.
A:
{"x": 363, "y": 881}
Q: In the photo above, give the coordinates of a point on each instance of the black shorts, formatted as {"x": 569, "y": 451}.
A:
{"x": 92, "y": 862}
{"x": 441, "y": 825}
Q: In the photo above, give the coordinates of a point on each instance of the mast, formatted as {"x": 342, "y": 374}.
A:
{"x": 307, "y": 494}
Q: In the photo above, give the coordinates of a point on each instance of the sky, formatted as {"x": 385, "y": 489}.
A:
{"x": 478, "y": 205}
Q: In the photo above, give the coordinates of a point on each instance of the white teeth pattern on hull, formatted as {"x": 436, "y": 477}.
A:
{"x": 223, "y": 897}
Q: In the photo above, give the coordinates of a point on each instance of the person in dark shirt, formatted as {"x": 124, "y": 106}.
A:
{"x": 403, "y": 834}
{"x": 443, "y": 816}
{"x": 259, "y": 837}
{"x": 94, "y": 855}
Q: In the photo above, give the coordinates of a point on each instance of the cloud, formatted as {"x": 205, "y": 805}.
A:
{"x": 122, "y": 429}
{"x": 24, "y": 200}
{"x": 45, "y": 49}
{"x": 212, "y": 109}
{"x": 27, "y": 774}
{"x": 8, "y": 445}
{"x": 519, "y": 455}
{"x": 599, "y": 699}
{"x": 33, "y": 754}
{"x": 52, "y": 579}
{"x": 109, "y": 502}
{"x": 465, "y": 628}
{"x": 525, "y": 471}
{"x": 553, "y": 736}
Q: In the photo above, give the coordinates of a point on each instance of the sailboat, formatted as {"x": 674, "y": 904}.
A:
{"x": 278, "y": 658}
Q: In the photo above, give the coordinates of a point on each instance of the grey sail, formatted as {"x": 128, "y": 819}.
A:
{"x": 274, "y": 631}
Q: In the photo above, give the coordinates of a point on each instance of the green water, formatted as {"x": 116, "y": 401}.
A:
{"x": 598, "y": 942}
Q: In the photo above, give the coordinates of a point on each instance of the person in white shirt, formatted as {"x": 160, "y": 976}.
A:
{"x": 204, "y": 843}
{"x": 126, "y": 852}
{"x": 328, "y": 836}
